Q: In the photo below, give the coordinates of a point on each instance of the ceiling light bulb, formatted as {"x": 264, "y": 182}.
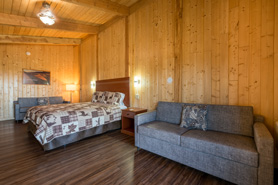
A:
{"x": 47, "y": 20}
{"x": 46, "y": 15}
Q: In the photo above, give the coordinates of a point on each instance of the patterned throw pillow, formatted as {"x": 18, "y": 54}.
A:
{"x": 108, "y": 97}
{"x": 117, "y": 98}
{"x": 112, "y": 98}
{"x": 194, "y": 117}
{"x": 43, "y": 101}
{"x": 98, "y": 97}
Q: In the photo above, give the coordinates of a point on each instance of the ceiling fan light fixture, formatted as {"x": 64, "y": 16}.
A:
{"x": 46, "y": 15}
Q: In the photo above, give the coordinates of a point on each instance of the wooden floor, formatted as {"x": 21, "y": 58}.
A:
{"x": 110, "y": 158}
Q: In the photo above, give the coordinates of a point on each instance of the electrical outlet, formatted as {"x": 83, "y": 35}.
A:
{"x": 137, "y": 96}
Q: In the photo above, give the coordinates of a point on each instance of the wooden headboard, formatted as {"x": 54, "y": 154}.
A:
{"x": 115, "y": 85}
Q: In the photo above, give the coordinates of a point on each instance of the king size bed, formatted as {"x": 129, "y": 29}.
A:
{"x": 60, "y": 124}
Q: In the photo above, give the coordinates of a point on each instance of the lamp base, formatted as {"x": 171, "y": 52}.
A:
{"x": 70, "y": 97}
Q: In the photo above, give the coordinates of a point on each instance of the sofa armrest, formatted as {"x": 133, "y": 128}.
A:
{"x": 66, "y": 102}
{"x": 140, "y": 119}
{"x": 16, "y": 110}
{"x": 265, "y": 146}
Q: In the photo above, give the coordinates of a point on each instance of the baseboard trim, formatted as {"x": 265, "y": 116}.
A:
{"x": 6, "y": 119}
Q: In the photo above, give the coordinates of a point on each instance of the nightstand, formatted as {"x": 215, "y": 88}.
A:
{"x": 128, "y": 119}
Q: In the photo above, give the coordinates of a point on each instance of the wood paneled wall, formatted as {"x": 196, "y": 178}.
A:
{"x": 112, "y": 51}
{"x": 216, "y": 51}
{"x": 228, "y": 54}
{"x": 88, "y": 61}
{"x": 61, "y": 61}
{"x": 152, "y": 52}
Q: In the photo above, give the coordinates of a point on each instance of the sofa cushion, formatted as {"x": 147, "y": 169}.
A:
{"x": 194, "y": 117}
{"x": 230, "y": 119}
{"x": 27, "y": 102}
{"x": 56, "y": 100}
{"x": 163, "y": 131}
{"x": 233, "y": 147}
{"x": 169, "y": 112}
{"x": 23, "y": 109}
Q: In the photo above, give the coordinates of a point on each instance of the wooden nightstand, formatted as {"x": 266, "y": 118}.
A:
{"x": 128, "y": 119}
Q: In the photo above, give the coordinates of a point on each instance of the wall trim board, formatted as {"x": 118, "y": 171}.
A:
{"x": 13, "y": 39}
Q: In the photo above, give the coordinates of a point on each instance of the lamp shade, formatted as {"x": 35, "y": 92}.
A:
{"x": 70, "y": 87}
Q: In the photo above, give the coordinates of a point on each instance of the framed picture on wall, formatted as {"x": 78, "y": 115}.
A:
{"x": 36, "y": 77}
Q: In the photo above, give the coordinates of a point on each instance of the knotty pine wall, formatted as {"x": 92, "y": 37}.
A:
{"x": 112, "y": 51}
{"x": 88, "y": 63}
{"x": 216, "y": 51}
{"x": 61, "y": 61}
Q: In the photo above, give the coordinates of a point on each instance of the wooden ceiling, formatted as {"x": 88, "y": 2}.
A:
{"x": 74, "y": 18}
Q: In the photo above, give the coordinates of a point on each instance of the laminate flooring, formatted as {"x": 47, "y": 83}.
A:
{"x": 110, "y": 158}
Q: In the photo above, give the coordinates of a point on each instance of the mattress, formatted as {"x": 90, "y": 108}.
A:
{"x": 54, "y": 121}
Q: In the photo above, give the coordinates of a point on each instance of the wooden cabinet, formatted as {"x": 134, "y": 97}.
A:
{"x": 128, "y": 119}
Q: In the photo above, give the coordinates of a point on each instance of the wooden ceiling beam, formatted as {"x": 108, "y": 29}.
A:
{"x": 107, "y": 6}
{"x": 139, "y": 4}
{"x": 15, "y": 20}
{"x": 13, "y": 39}
{"x": 109, "y": 23}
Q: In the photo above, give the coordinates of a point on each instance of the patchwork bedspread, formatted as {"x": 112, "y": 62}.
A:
{"x": 54, "y": 121}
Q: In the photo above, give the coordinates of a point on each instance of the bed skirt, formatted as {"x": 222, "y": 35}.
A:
{"x": 64, "y": 140}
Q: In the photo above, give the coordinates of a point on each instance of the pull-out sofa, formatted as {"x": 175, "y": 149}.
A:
{"x": 236, "y": 146}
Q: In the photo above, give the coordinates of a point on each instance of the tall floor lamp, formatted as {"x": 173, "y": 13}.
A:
{"x": 71, "y": 88}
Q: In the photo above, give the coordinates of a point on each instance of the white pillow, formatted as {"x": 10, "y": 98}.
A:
{"x": 122, "y": 99}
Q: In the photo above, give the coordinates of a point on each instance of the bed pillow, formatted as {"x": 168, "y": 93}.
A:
{"x": 112, "y": 98}
{"x": 117, "y": 98}
{"x": 98, "y": 97}
{"x": 43, "y": 101}
{"x": 108, "y": 97}
{"x": 194, "y": 117}
{"x": 122, "y": 99}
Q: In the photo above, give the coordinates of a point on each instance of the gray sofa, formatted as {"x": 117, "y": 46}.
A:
{"x": 23, "y": 104}
{"x": 236, "y": 147}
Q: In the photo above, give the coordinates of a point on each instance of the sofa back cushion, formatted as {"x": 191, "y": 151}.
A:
{"x": 56, "y": 100}
{"x": 169, "y": 112}
{"x": 222, "y": 118}
{"x": 43, "y": 101}
{"x": 27, "y": 102}
{"x": 230, "y": 119}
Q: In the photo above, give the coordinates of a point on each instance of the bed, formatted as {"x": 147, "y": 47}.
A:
{"x": 58, "y": 125}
